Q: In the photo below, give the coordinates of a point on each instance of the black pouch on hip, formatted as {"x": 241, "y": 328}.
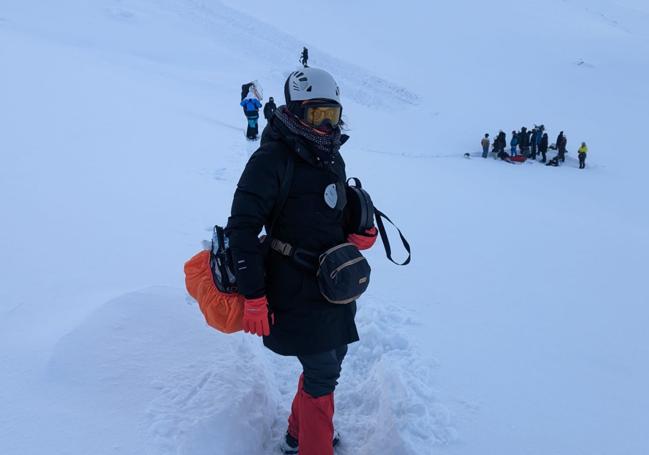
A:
{"x": 343, "y": 274}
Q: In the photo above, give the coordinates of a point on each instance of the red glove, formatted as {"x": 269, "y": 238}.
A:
{"x": 363, "y": 241}
{"x": 255, "y": 316}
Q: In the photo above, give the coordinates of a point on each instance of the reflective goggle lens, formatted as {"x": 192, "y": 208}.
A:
{"x": 317, "y": 115}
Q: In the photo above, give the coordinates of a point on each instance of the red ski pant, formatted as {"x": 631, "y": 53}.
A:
{"x": 311, "y": 419}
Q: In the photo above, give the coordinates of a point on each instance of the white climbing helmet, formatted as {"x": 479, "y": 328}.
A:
{"x": 309, "y": 84}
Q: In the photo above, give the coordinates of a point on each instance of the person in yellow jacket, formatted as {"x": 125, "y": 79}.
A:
{"x": 581, "y": 153}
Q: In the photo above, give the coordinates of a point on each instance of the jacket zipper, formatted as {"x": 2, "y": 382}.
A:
{"x": 346, "y": 264}
{"x": 331, "y": 250}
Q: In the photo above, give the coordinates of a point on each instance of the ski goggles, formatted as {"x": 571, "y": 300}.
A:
{"x": 318, "y": 114}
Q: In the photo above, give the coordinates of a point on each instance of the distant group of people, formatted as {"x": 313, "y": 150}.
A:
{"x": 528, "y": 144}
{"x": 251, "y": 102}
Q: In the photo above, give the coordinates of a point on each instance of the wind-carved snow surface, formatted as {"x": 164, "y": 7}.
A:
{"x": 250, "y": 36}
{"x": 195, "y": 391}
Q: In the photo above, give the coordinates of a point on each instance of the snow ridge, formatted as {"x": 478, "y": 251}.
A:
{"x": 249, "y": 36}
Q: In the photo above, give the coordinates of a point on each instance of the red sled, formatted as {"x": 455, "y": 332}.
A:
{"x": 518, "y": 158}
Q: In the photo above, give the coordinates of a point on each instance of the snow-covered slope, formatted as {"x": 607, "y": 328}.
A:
{"x": 520, "y": 326}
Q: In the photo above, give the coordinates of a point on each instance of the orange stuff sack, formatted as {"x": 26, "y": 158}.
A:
{"x": 222, "y": 311}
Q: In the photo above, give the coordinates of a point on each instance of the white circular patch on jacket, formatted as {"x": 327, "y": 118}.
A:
{"x": 331, "y": 195}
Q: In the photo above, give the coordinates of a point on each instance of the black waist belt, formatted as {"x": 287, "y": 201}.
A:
{"x": 304, "y": 258}
{"x": 310, "y": 259}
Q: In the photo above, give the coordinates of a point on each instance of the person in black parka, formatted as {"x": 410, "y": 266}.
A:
{"x": 305, "y": 221}
{"x": 269, "y": 108}
{"x": 543, "y": 147}
{"x": 304, "y": 58}
{"x": 562, "y": 143}
{"x": 283, "y": 301}
{"x": 523, "y": 141}
{"x": 533, "y": 143}
{"x": 528, "y": 142}
{"x": 502, "y": 142}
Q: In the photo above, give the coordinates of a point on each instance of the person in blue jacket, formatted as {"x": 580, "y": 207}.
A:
{"x": 251, "y": 106}
{"x": 514, "y": 142}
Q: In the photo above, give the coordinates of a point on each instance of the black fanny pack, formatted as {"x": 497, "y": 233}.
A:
{"x": 343, "y": 274}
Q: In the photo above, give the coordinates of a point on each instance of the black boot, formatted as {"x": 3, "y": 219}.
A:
{"x": 290, "y": 446}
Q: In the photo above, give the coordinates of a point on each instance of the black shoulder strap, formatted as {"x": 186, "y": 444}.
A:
{"x": 283, "y": 191}
{"x": 384, "y": 237}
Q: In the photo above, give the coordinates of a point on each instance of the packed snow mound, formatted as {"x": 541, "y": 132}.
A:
{"x": 123, "y": 344}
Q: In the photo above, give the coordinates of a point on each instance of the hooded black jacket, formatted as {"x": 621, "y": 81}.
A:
{"x": 543, "y": 147}
{"x": 524, "y": 138}
{"x": 502, "y": 137}
{"x": 304, "y": 322}
{"x": 269, "y": 109}
{"x": 561, "y": 142}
